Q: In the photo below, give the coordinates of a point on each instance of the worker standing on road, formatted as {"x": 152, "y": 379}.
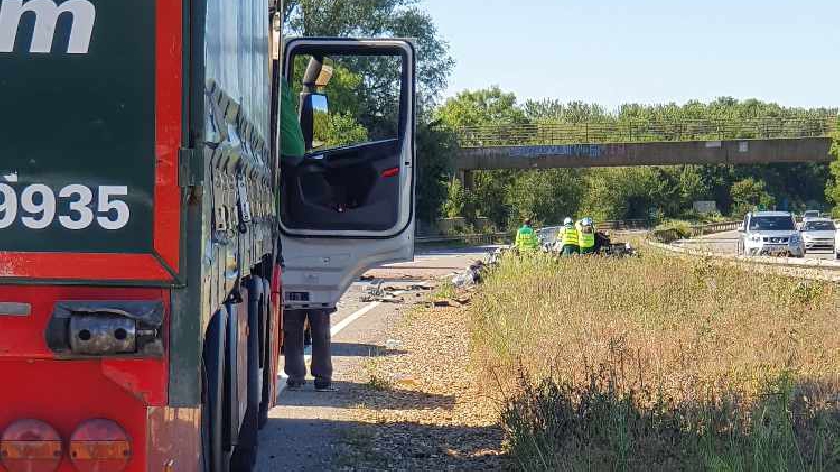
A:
{"x": 526, "y": 238}
{"x": 571, "y": 242}
{"x": 586, "y": 236}
{"x": 294, "y": 321}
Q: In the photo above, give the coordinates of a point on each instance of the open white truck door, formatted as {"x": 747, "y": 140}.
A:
{"x": 347, "y": 205}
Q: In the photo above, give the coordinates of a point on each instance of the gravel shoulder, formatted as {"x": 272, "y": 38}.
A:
{"x": 406, "y": 399}
{"x": 424, "y": 409}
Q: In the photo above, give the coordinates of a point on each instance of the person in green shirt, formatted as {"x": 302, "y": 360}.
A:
{"x": 526, "y": 238}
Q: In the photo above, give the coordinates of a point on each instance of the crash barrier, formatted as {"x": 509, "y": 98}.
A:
{"x": 469, "y": 239}
{"x": 669, "y": 235}
{"x": 613, "y": 225}
{"x": 810, "y": 269}
{"x": 630, "y": 131}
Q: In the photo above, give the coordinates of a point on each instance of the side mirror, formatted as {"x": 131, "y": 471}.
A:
{"x": 311, "y": 105}
{"x": 319, "y": 103}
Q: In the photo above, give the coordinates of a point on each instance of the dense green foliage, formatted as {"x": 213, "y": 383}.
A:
{"x": 625, "y": 193}
{"x": 832, "y": 192}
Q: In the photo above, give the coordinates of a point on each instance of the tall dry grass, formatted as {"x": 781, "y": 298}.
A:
{"x": 661, "y": 363}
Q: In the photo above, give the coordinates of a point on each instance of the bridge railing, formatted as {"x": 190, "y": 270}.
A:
{"x": 647, "y": 131}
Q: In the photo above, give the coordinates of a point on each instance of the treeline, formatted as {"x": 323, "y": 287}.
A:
{"x": 506, "y": 197}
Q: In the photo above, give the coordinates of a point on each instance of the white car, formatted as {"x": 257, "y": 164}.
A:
{"x": 819, "y": 234}
{"x": 837, "y": 242}
{"x": 770, "y": 233}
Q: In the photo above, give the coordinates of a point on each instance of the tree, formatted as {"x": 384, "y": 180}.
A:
{"x": 748, "y": 194}
{"x": 832, "y": 191}
{"x": 436, "y": 147}
{"x": 546, "y": 196}
{"x": 489, "y": 106}
{"x": 378, "y": 19}
{"x": 338, "y": 129}
{"x": 692, "y": 186}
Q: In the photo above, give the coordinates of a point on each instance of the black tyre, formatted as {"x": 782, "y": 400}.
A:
{"x": 213, "y": 419}
{"x": 245, "y": 455}
{"x": 266, "y": 353}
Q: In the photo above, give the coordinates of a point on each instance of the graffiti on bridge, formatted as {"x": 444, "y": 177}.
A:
{"x": 571, "y": 150}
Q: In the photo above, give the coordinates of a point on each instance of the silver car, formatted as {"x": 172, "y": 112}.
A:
{"x": 548, "y": 236}
{"x": 818, "y": 234}
{"x": 770, "y": 233}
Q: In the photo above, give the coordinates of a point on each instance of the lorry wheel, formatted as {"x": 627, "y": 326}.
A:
{"x": 213, "y": 426}
{"x": 244, "y": 459}
{"x": 245, "y": 455}
{"x": 267, "y": 390}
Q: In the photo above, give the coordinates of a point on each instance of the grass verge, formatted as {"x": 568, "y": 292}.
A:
{"x": 660, "y": 363}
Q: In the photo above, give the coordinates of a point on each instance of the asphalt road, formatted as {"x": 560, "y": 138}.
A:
{"x": 309, "y": 431}
{"x": 727, "y": 243}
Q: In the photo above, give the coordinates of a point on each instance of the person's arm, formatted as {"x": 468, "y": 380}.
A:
{"x": 291, "y": 135}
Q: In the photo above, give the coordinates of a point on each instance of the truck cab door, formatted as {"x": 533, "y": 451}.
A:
{"x": 347, "y": 204}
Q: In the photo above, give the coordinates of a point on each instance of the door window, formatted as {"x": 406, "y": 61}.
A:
{"x": 353, "y": 115}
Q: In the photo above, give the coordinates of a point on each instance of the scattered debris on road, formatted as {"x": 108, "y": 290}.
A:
{"x": 379, "y": 292}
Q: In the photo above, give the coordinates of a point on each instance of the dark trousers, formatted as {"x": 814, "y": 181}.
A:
{"x": 570, "y": 249}
{"x": 319, "y": 324}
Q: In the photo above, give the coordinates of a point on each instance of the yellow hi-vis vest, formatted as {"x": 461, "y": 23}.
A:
{"x": 570, "y": 236}
{"x": 586, "y": 236}
{"x": 526, "y": 239}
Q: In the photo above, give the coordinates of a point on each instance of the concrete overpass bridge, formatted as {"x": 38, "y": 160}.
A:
{"x": 551, "y": 146}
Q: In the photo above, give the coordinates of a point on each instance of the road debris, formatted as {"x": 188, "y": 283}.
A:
{"x": 470, "y": 276}
{"x": 399, "y": 293}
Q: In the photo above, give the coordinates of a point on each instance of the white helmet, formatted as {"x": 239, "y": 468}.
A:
{"x": 568, "y": 222}
{"x": 587, "y": 221}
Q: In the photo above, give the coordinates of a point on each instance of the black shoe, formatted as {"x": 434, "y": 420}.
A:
{"x": 324, "y": 386}
{"x": 294, "y": 385}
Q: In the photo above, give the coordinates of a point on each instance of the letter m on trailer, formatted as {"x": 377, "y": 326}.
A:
{"x": 46, "y": 17}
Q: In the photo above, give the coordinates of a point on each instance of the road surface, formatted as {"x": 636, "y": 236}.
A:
{"x": 309, "y": 431}
{"x": 727, "y": 243}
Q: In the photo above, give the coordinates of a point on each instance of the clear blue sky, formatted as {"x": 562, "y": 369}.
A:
{"x": 646, "y": 51}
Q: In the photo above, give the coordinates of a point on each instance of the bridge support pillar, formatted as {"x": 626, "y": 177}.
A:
{"x": 466, "y": 178}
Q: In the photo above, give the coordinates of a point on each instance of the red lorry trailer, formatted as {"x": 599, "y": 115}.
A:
{"x": 145, "y": 220}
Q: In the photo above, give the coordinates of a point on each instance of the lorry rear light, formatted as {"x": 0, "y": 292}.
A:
{"x": 30, "y": 446}
{"x": 100, "y": 446}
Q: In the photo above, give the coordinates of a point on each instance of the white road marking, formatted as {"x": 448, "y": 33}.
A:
{"x": 350, "y": 319}
{"x": 342, "y": 325}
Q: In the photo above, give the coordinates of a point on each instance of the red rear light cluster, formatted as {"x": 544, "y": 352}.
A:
{"x": 30, "y": 446}
{"x": 35, "y": 446}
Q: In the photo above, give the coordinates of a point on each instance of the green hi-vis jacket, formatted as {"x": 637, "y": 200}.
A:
{"x": 526, "y": 239}
{"x": 586, "y": 237}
